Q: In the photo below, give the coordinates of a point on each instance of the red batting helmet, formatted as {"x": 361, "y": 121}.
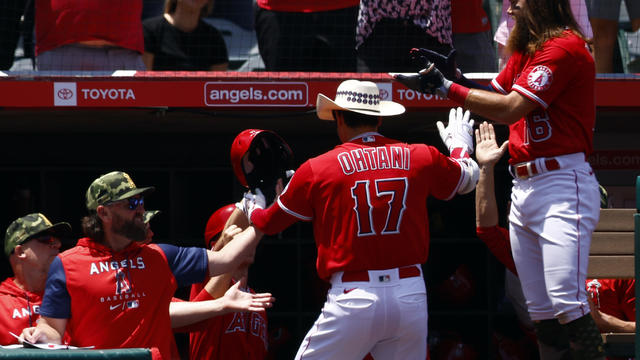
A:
{"x": 269, "y": 155}
{"x": 216, "y": 222}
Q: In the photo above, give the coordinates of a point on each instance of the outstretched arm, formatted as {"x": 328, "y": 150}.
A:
{"x": 218, "y": 285}
{"x": 505, "y": 109}
{"x": 237, "y": 252}
{"x": 234, "y": 300}
{"x": 487, "y": 155}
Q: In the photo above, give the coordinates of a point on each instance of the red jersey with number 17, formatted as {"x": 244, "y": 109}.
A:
{"x": 367, "y": 199}
{"x": 560, "y": 77}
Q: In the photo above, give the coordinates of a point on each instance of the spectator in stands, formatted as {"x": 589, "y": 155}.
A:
{"x": 472, "y": 37}
{"x": 121, "y": 286}
{"x": 89, "y": 35}
{"x": 388, "y": 29}
{"x": 604, "y": 16}
{"x": 578, "y": 8}
{"x": 30, "y": 244}
{"x": 181, "y": 40}
{"x": 307, "y": 35}
{"x": 222, "y": 336}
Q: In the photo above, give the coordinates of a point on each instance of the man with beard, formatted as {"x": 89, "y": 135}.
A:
{"x": 113, "y": 291}
{"x": 546, "y": 96}
{"x": 30, "y": 243}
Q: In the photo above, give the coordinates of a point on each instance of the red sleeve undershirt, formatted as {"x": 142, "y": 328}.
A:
{"x": 497, "y": 240}
{"x": 272, "y": 220}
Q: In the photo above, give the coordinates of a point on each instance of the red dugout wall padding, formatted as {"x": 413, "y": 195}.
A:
{"x": 282, "y": 90}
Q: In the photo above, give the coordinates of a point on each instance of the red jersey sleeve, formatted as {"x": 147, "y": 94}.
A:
{"x": 497, "y": 240}
{"x": 444, "y": 175}
{"x": 503, "y": 82}
{"x": 288, "y": 208}
{"x": 294, "y": 198}
{"x": 546, "y": 75}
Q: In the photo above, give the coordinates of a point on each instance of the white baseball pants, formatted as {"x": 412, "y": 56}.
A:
{"x": 550, "y": 224}
{"x": 385, "y": 316}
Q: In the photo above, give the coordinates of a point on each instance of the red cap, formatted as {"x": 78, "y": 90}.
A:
{"x": 216, "y": 222}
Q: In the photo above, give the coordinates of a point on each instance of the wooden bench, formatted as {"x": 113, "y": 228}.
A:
{"x": 613, "y": 255}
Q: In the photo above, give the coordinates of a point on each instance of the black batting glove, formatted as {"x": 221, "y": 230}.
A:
{"x": 446, "y": 64}
{"x": 429, "y": 81}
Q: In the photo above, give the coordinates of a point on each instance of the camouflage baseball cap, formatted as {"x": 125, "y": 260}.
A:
{"x": 114, "y": 186}
{"x": 149, "y": 214}
{"x": 26, "y": 227}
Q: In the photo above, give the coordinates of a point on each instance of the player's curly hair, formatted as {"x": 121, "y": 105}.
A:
{"x": 354, "y": 120}
{"x": 92, "y": 227}
{"x": 543, "y": 20}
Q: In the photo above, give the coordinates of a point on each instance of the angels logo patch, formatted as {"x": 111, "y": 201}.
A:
{"x": 540, "y": 78}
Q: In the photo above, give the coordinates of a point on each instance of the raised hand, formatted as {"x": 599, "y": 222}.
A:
{"x": 238, "y": 300}
{"x": 487, "y": 150}
{"x": 458, "y": 132}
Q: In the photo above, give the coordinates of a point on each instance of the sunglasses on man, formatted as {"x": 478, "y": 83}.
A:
{"x": 44, "y": 239}
{"x": 132, "y": 203}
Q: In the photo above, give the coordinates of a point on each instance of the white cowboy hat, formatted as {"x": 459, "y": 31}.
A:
{"x": 358, "y": 96}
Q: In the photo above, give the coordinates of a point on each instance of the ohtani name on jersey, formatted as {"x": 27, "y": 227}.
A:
{"x": 378, "y": 158}
{"x": 102, "y": 266}
{"x": 24, "y": 312}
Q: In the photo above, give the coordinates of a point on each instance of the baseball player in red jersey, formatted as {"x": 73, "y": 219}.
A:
{"x": 612, "y": 314}
{"x": 30, "y": 244}
{"x": 546, "y": 96}
{"x": 111, "y": 290}
{"x": 367, "y": 200}
{"x": 236, "y": 335}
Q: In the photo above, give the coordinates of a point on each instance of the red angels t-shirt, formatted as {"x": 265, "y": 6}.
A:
{"x": 239, "y": 335}
{"x": 560, "y": 77}
{"x": 367, "y": 200}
